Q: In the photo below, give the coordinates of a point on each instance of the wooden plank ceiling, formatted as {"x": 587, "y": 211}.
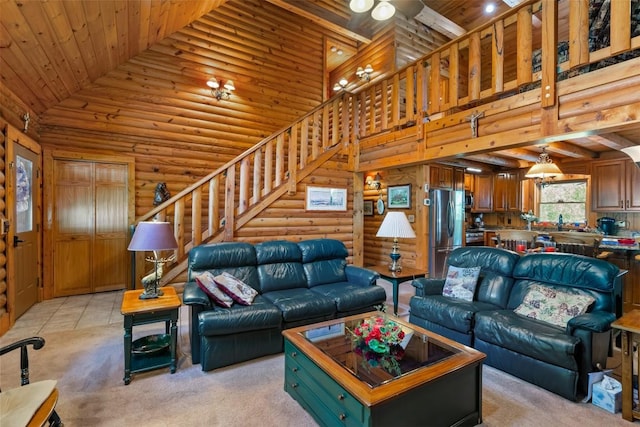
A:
{"x": 50, "y": 50}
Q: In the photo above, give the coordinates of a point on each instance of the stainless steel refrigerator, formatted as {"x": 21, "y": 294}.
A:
{"x": 446, "y": 223}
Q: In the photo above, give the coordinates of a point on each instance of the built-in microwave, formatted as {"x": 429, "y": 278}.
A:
{"x": 468, "y": 200}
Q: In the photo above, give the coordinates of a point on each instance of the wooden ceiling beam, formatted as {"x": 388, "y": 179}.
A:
{"x": 439, "y": 23}
{"x": 519, "y": 153}
{"x": 324, "y": 18}
{"x": 612, "y": 140}
{"x": 571, "y": 150}
{"x": 498, "y": 161}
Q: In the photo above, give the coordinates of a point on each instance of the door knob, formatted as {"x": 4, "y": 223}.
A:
{"x": 16, "y": 240}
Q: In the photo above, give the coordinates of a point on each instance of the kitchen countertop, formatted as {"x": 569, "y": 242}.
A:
{"x": 569, "y": 233}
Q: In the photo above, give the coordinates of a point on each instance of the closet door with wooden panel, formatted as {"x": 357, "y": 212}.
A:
{"x": 89, "y": 217}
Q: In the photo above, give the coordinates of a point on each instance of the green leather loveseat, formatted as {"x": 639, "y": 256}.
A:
{"x": 297, "y": 283}
{"x": 557, "y": 358}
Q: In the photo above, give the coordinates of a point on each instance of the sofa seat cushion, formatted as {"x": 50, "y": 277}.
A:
{"x": 453, "y": 313}
{"x": 299, "y": 304}
{"x": 262, "y": 314}
{"x": 539, "y": 340}
{"x": 348, "y": 296}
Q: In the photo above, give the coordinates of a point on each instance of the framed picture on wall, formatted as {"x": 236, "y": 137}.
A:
{"x": 326, "y": 199}
{"x": 399, "y": 196}
{"x": 367, "y": 208}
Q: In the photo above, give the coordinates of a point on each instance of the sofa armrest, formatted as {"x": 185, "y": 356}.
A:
{"x": 597, "y": 321}
{"x": 426, "y": 286}
{"x": 361, "y": 276}
{"x": 193, "y": 295}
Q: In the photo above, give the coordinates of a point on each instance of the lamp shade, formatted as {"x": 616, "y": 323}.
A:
{"x": 543, "y": 170}
{"x": 396, "y": 225}
{"x": 544, "y": 167}
{"x": 153, "y": 236}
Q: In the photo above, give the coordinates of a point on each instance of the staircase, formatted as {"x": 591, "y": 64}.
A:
{"x": 390, "y": 113}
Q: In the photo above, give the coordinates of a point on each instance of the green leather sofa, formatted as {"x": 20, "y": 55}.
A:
{"x": 298, "y": 283}
{"x": 555, "y": 358}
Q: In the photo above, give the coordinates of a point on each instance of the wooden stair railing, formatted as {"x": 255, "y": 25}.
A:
{"x": 227, "y": 198}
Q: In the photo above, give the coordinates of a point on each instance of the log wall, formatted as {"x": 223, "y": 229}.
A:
{"x": 157, "y": 107}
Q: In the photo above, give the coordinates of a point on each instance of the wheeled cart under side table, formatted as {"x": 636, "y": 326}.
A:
{"x": 138, "y": 311}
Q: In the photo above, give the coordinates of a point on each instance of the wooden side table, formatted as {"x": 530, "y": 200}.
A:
{"x": 138, "y": 311}
{"x": 629, "y": 324}
{"x": 397, "y": 277}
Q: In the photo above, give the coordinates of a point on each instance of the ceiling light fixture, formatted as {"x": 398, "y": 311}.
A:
{"x": 364, "y": 73}
{"x": 383, "y": 10}
{"x": 220, "y": 91}
{"x": 490, "y": 8}
{"x": 544, "y": 171}
{"x": 360, "y": 6}
{"x": 342, "y": 83}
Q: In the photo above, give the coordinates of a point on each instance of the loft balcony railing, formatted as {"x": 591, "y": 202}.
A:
{"x": 491, "y": 61}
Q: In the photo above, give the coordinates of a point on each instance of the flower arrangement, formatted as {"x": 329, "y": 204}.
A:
{"x": 529, "y": 217}
{"x": 379, "y": 334}
{"x": 378, "y": 340}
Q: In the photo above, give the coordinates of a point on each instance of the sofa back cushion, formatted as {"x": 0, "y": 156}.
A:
{"x": 496, "y": 271}
{"x": 590, "y": 276}
{"x": 280, "y": 266}
{"x": 324, "y": 261}
{"x": 236, "y": 258}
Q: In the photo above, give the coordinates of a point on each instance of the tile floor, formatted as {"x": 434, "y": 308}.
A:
{"x": 68, "y": 313}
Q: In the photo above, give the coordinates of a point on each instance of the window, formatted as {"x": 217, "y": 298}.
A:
{"x": 566, "y": 198}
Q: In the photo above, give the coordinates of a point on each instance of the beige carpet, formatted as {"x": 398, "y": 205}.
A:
{"x": 88, "y": 364}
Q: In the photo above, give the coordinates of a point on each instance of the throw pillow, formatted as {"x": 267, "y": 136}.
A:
{"x": 553, "y": 306}
{"x": 461, "y": 282}
{"x": 207, "y": 283}
{"x": 236, "y": 288}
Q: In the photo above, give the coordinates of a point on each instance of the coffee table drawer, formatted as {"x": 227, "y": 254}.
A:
{"x": 302, "y": 372}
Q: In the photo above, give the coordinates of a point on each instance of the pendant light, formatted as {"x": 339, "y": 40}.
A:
{"x": 360, "y": 6}
{"x": 383, "y": 10}
{"x": 544, "y": 171}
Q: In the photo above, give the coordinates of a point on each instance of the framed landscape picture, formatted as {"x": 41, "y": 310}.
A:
{"x": 367, "y": 208}
{"x": 326, "y": 199}
{"x": 399, "y": 196}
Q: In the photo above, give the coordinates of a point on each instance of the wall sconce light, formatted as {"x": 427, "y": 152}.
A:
{"x": 364, "y": 73}
{"x": 544, "y": 171}
{"x": 220, "y": 91}
{"x": 342, "y": 83}
{"x": 373, "y": 182}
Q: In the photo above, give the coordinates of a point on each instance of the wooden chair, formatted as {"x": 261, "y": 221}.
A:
{"x": 511, "y": 239}
{"x": 32, "y": 404}
{"x": 586, "y": 245}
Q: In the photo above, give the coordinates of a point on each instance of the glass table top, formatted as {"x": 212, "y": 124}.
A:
{"x": 377, "y": 348}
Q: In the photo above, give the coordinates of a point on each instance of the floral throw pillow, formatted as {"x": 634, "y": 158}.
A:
{"x": 207, "y": 283}
{"x": 552, "y": 305}
{"x": 461, "y": 282}
{"x": 236, "y": 288}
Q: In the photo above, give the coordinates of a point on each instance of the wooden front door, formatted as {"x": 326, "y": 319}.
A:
{"x": 25, "y": 179}
{"x": 86, "y": 236}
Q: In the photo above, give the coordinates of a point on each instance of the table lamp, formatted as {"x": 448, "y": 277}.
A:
{"x": 397, "y": 226}
{"x": 153, "y": 236}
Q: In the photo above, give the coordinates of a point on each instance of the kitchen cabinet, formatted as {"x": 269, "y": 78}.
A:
{"x": 616, "y": 186}
{"x": 506, "y": 195}
{"x": 527, "y": 193}
{"x": 488, "y": 238}
{"x": 440, "y": 176}
{"x": 483, "y": 193}
{"x": 458, "y": 179}
{"x": 468, "y": 181}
